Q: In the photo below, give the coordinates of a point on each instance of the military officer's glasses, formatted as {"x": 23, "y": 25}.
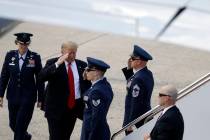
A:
{"x": 135, "y": 58}
{"x": 89, "y": 69}
{"x": 23, "y": 44}
{"x": 161, "y": 95}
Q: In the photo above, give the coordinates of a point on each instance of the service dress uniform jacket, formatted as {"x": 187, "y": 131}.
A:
{"x": 170, "y": 126}
{"x": 61, "y": 119}
{"x": 139, "y": 89}
{"x": 22, "y": 85}
{"x": 97, "y": 101}
{"x": 22, "y": 88}
{"x": 57, "y": 90}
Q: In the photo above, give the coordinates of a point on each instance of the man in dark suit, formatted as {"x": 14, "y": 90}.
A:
{"x": 97, "y": 102}
{"x": 170, "y": 124}
{"x": 140, "y": 85}
{"x": 19, "y": 75}
{"x": 64, "y": 91}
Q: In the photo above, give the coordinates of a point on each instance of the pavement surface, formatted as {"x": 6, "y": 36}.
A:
{"x": 172, "y": 64}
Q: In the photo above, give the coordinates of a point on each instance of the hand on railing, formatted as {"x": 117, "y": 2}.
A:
{"x": 129, "y": 130}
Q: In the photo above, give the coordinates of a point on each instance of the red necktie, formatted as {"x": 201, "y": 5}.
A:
{"x": 71, "y": 98}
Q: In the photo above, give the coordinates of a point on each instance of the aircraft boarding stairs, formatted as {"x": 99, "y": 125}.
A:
{"x": 193, "y": 101}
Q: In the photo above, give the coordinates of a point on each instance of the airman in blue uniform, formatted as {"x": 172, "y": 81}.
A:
{"x": 140, "y": 85}
{"x": 19, "y": 76}
{"x": 97, "y": 101}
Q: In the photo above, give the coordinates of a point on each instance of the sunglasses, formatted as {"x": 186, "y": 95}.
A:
{"x": 135, "y": 58}
{"x": 89, "y": 69}
{"x": 23, "y": 44}
{"x": 161, "y": 95}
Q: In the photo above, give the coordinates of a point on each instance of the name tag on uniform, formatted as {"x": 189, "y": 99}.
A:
{"x": 11, "y": 64}
{"x": 85, "y": 98}
{"x": 86, "y": 106}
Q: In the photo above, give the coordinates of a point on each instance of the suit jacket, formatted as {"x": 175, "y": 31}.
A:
{"x": 170, "y": 126}
{"x": 22, "y": 86}
{"x": 97, "y": 102}
{"x": 57, "y": 90}
{"x": 139, "y": 90}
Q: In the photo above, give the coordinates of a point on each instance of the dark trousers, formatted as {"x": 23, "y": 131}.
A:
{"x": 61, "y": 129}
{"x": 19, "y": 118}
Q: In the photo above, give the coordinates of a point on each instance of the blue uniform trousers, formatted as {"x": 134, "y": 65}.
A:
{"x": 19, "y": 118}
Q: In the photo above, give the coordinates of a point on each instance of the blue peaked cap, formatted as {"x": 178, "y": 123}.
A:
{"x": 97, "y": 64}
{"x": 24, "y": 37}
{"x": 140, "y": 52}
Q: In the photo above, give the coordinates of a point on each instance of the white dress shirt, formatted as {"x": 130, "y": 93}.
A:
{"x": 76, "y": 78}
{"x": 21, "y": 61}
{"x": 167, "y": 108}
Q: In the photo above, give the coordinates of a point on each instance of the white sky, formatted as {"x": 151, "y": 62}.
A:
{"x": 143, "y": 18}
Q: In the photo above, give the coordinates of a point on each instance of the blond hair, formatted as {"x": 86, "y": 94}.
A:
{"x": 69, "y": 44}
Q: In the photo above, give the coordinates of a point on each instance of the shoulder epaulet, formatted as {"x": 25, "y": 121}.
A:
{"x": 12, "y": 51}
{"x": 34, "y": 53}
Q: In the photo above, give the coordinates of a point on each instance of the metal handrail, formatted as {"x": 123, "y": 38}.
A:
{"x": 194, "y": 88}
{"x": 194, "y": 83}
{"x": 155, "y": 109}
{"x": 182, "y": 93}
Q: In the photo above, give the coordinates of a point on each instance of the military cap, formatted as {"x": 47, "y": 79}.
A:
{"x": 97, "y": 64}
{"x": 169, "y": 90}
{"x": 140, "y": 52}
{"x": 24, "y": 37}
